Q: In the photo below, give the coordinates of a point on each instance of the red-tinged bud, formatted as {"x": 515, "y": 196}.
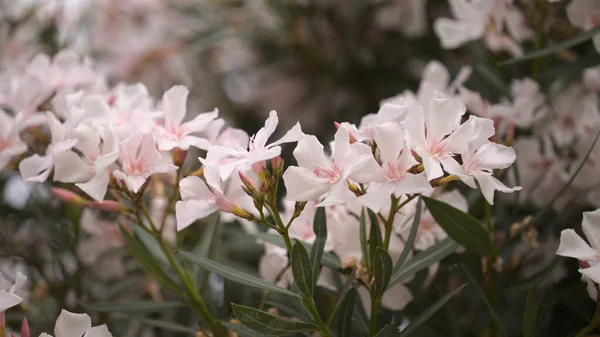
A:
{"x": 277, "y": 162}
{"x": 109, "y": 206}
{"x": 67, "y": 196}
{"x": 179, "y": 156}
{"x": 25, "y": 331}
{"x": 259, "y": 168}
{"x": 337, "y": 125}
{"x": 2, "y": 320}
{"x": 583, "y": 264}
{"x": 246, "y": 180}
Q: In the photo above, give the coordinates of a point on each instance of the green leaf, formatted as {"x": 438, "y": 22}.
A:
{"x": 344, "y": 321}
{"x": 166, "y": 325}
{"x": 358, "y": 327}
{"x": 425, "y": 315}
{"x": 424, "y": 259}
{"x": 242, "y": 330}
{"x": 150, "y": 242}
{"x": 375, "y": 239}
{"x": 387, "y": 330}
{"x": 492, "y": 77}
{"x": 147, "y": 261}
{"x": 328, "y": 259}
{"x": 302, "y": 270}
{"x": 493, "y": 315}
{"x": 137, "y": 306}
{"x": 262, "y": 322}
{"x": 410, "y": 242}
{"x": 460, "y": 226}
{"x": 529, "y": 324}
{"x": 382, "y": 266}
{"x": 556, "y": 47}
{"x": 235, "y": 274}
{"x": 208, "y": 249}
{"x": 363, "y": 239}
{"x": 316, "y": 253}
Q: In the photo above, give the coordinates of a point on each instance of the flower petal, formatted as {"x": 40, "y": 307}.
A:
{"x": 194, "y": 188}
{"x": 261, "y": 137}
{"x": 69, "y": 324}
{"x": 98, "y": 331}
{"x": 97, "y": 186}
{"x": 173, "y": 104}
{"x": 572, "y": 245}
{"x": 302, "y": 185}
{"x": 309, "y": 153}
{"x": 186, "y": 212}
{"x": 591, "y": 227}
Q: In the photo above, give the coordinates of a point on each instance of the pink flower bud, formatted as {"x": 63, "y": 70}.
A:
{"x": 25, "y": 332}
{"x": 583, "y": 264}
{"x": 246, "y": 180}
{"x": 259, "y": 167}
{"x": 276, "y": 162}
{"x": 67, "y": 196}
{"x": 109, "y": 206}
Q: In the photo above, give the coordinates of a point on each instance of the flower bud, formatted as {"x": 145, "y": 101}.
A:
{"x": 242, "y": 213}
{"x": 247, "y": 181}
{"x": 67, "y": 196}
{"x": 179, "y": 156}
{"x": 25, "y": 331}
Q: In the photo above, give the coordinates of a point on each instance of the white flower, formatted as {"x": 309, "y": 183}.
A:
{"x": 11, "y": 144}
{"x": 174, "y": 133}
{"x": 8, "y": 299}
{"x": 572, "y": 245}
{"x": 69, "y": 324}
{"x": 470, "y": 23}
{"x": 242, "y": 156}
{"x": 316, "y": 175}
{"x": 396, "y": 160}
{"x": 584, "y": 14}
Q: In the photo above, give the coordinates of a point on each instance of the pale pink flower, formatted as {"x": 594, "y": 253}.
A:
{"x": 38, "y": 168}
{"x": 69, "y": 324}
{"x": 480, "y": 158}
{"x": 396, "y": 160}
{"x": 174, "y": 133}
{"x": 242, "y": 156}
{"x": 435, "y": 133}
{"x": 471, "y": 19}
{"x": 8, "y": 298}
{"x": 90, "y": 170}
{"x": 139, "y": 160}
{"x": 199, "y": 201}
{"x": 317, "y": 174}
{"x": 11, "y": 144}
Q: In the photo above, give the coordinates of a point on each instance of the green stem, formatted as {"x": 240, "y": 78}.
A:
{"x": 389, "y": 223}
{"x": 310, "y": 305}
{"x": 593, "y": 324}
{"x": 374, "y": 310}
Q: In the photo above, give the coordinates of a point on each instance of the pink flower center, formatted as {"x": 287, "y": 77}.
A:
{"x": 5, "y": 143}
{"x": 136, "y": 166}
{"x": 393, "y": 171}
{"x": 333, "y": 174}
{"x": 437, "y": 148}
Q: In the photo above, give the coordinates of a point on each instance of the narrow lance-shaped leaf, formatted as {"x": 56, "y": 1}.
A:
{"x": 234, "y": 274}
{"x": 410, "y": 242}
{"x": 150, "y": 242}
{"x": 529, "y": 324}
{"x": 344, "y": 322}
{"x": 242, "y": 330}
{"x": 262, "y": 322}
{"x": 425, "y": 315}
{"x": 147, "y": 260}
{"x": 316, "y": 252}
{"x": 166, "y": 325}
{"x": 363, "y": 239}
{"x": 302, "y": 270}
{"x": 424, "y": 259}
{"x": 382, "y": 266}
{"x": 493, "y": 315}
{"x": 460, "y": 226}
{"x": 556, "y": 47}
{"x": 375, "y": 239}
{"x": 133, "y": 307}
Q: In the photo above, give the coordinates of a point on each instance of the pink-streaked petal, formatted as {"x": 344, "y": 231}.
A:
{"x": 69, "y": 324}
{"x": 302, "y": 184}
